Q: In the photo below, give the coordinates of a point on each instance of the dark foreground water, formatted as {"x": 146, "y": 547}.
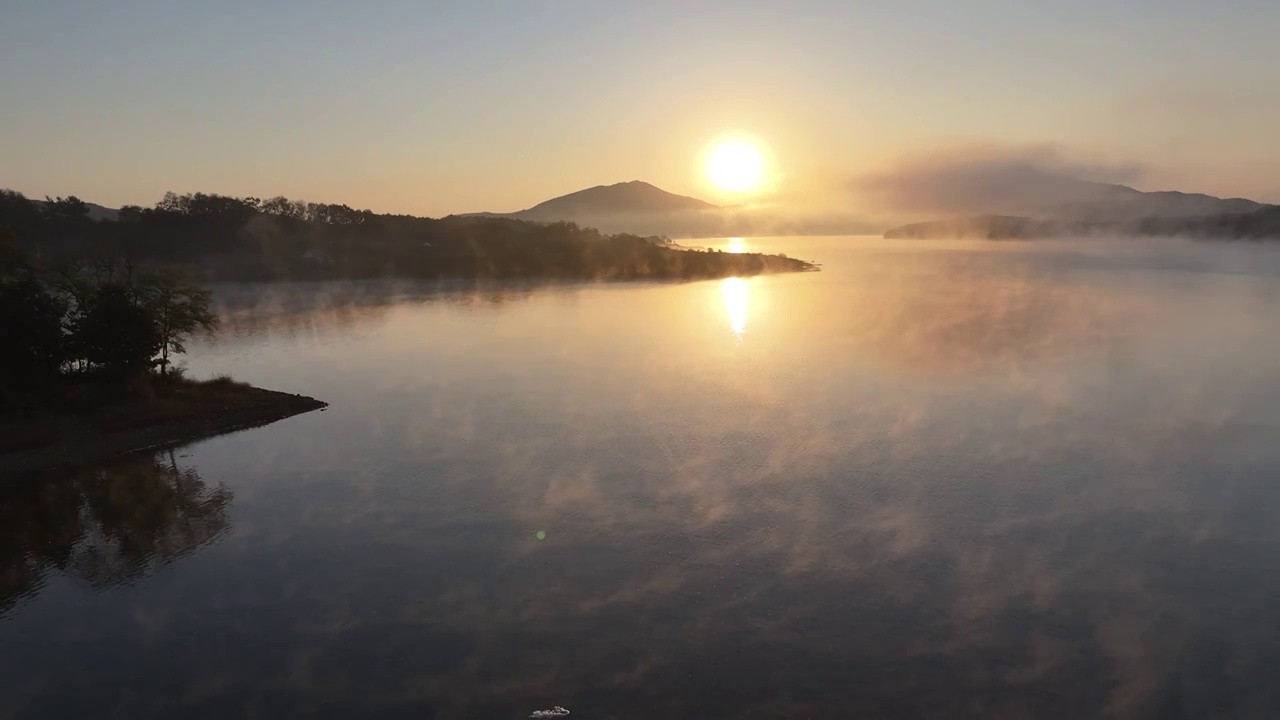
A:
{"x": 940, "y": 480}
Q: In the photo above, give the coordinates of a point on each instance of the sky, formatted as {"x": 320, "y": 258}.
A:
{"x": 443, "y": 107}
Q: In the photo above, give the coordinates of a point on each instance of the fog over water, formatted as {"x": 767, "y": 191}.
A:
{"x": 936, "y": 479}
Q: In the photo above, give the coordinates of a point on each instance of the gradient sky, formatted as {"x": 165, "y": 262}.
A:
{"x": 433, "y": 108}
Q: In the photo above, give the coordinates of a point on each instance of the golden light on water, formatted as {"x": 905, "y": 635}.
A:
{"x": 736, "y": 245}
{"x": 735, "y": 165}
{"x": 735, "y": 303}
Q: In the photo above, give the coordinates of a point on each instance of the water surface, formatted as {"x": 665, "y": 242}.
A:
{"x": 936, "y": 479}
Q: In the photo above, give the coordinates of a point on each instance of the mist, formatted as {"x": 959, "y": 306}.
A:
{"x": 987, "y": 179}
{"x": 760, "y": 220}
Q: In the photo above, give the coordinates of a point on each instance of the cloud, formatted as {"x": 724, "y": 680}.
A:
{"x": 987, "y": 178}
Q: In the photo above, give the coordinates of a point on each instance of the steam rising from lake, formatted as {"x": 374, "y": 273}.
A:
{"x": 933, "y": 480}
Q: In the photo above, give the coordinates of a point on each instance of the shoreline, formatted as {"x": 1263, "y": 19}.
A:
{"x": 739, "y": 265}
{"x": 79, "y": 443}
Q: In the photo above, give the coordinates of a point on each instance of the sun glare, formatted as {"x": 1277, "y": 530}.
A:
{"x": 735, "y": 166}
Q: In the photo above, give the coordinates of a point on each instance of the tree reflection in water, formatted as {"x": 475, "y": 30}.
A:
{"x": 106, "y": 526}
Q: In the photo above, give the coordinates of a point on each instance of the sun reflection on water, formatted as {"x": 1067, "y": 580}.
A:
{"x": 736, "y": 245}
{"x": 735, "y": 303}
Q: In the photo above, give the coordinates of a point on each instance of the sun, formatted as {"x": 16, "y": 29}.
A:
{"x": 735, "y": 165}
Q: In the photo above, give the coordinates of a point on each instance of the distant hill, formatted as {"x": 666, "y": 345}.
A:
{"x": 1030, "y": 192}
{"x": 1047, "y": 205}
{"x": 642, "y": 209}
{"x": 633, "y": 206}
{"x": 977, "y": 227}
{"x": 1102, "y": 202}
{"x": 1038, "y": 205}
{"x": 1260, "y": 224}
{"x": 96, "y": 212}
{"x": 635, "y": 197}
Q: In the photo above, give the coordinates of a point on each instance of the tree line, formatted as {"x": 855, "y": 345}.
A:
{"x": 106, "y": 320}
{"x": 220, "y": 237}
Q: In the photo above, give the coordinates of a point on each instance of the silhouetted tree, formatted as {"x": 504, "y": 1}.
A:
{"x": 18, "y": 215}
{"x": 14, "y": 261}
{"x": 105, "y": 316}
{"x": 70, "y": 209}
{"x": 116, "y": 333}
{"x": 177, "y": 307}
{"x": 32, "y": 351}
{"x": 278, "y": 205}
{"x": 130, "y": 214}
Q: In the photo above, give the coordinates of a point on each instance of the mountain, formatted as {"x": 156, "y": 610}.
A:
{"x": 628, "y": 198}
{"x": 642, "y": 209}
{"x": 1046, "y": 205}
{"x": 1102, "y": 202}
{"x": 977, "y": 227}
{"x": 96, "y": 211}
{"x": 635, "y": 207}
{"x": 1260, "y": 224}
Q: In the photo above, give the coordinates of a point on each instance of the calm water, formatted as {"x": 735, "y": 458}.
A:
{"x": 944, "y": 480}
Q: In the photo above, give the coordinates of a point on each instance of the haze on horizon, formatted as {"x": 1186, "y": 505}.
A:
{"x": 442, "y": 108}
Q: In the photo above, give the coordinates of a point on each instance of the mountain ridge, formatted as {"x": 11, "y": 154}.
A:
{"x": 1043, "y": 203}
{"x": 630, "y": 197}
{"x": 1260, "y": 224}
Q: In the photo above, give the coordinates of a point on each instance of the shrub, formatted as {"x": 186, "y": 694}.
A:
{"x": 32, "y": 351}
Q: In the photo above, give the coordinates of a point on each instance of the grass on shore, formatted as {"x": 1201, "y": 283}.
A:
{"x": 85, "y": 406}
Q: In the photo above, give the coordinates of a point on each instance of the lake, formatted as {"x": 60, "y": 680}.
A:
{"x": 934, "y": 480}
